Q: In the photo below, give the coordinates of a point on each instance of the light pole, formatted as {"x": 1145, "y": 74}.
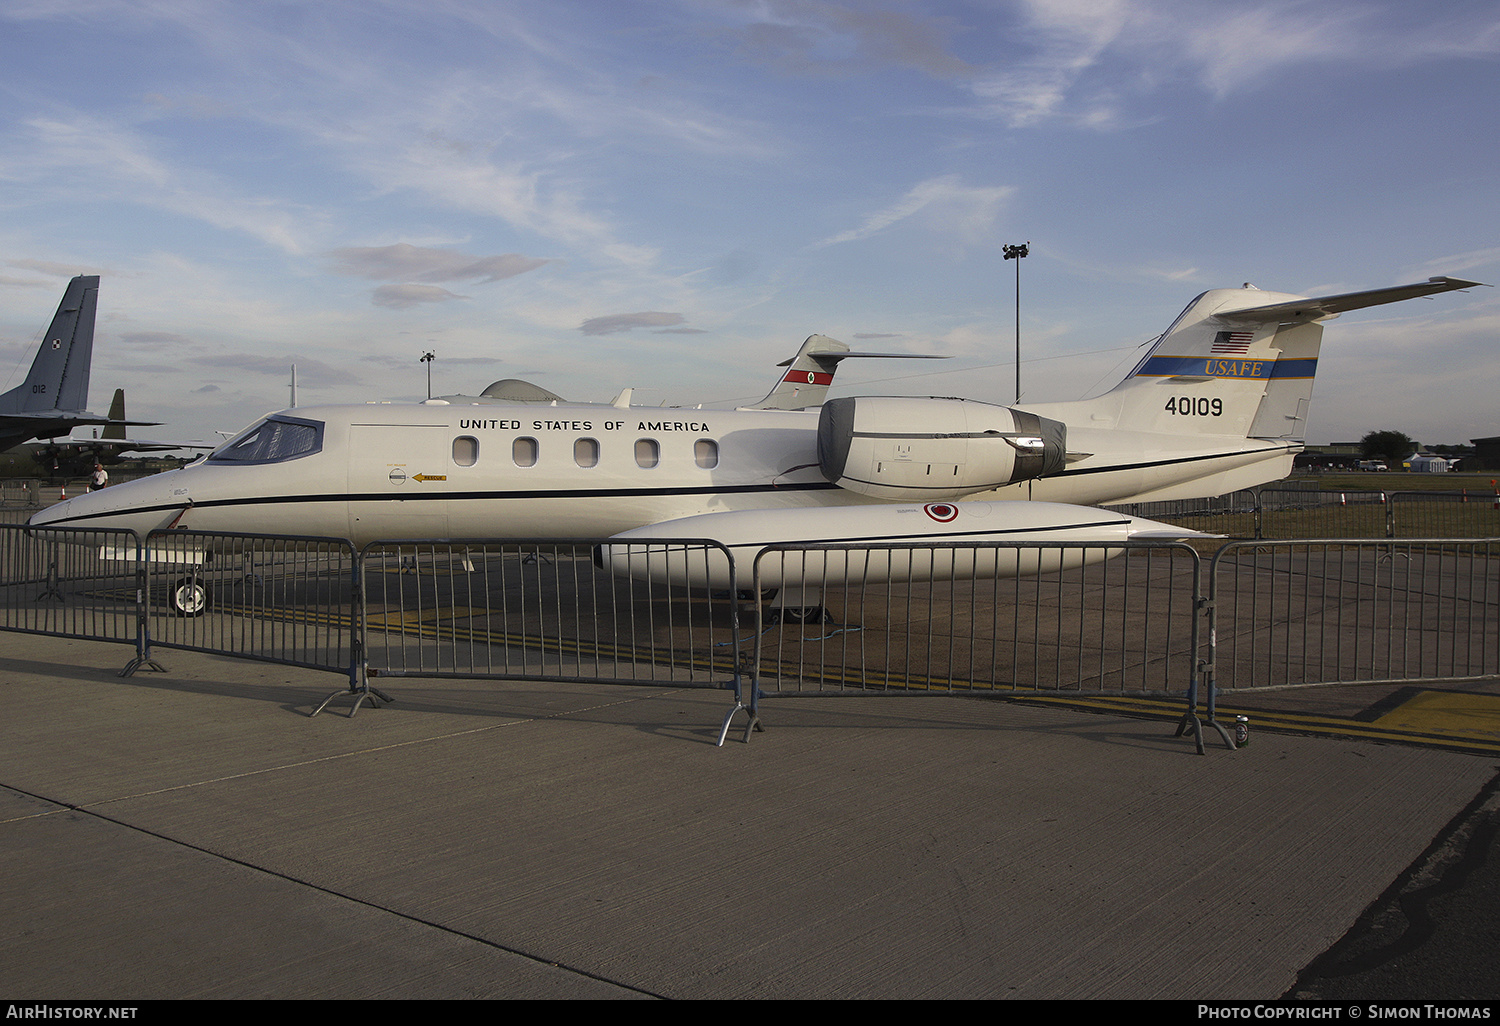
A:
{"x": 1016, "y": 253}
{"x": 427, "y": 359}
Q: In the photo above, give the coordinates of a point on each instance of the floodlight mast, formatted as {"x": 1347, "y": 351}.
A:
{"x": 428, "y": 357}
{"x": 1016, "y": 253}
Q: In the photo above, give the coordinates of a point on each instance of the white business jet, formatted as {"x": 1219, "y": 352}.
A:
{"x": 1218, "y": 403}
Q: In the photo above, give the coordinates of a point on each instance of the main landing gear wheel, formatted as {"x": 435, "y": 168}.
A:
{"x": 188, "y": 597}
{"x": 802, "y": 614}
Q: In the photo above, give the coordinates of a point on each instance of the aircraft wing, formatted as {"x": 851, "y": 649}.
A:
{"x": 18, "y": 427}
{"x": 143, "y": 445}
{"x": 1331, "y": 306}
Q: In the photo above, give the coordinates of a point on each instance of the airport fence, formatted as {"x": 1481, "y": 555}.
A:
{"x": 1146, "y": 619}
{"x": 1299, "y": 511}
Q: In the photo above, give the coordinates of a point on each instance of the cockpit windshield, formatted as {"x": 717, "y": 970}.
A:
{"x": 273, "y": 440}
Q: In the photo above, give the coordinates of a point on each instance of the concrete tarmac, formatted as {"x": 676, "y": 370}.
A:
{"x": 195, "y": 834}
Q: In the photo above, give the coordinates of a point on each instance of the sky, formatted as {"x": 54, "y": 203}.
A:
{"x": 670, "y": 195}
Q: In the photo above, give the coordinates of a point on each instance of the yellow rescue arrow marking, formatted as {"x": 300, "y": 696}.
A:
{"x": 429, "y": 477}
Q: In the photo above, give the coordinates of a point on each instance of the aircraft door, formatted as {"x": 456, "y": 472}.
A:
{"x": 398, "y": 481}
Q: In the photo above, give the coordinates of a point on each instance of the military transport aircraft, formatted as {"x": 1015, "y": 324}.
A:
{"x": 62, "y": 459}
{"x": 1218, "y": 403}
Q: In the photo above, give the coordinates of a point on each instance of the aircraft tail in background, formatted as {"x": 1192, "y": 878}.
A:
{"x": 59, "y": 376}
{"x": 811, "y": 373}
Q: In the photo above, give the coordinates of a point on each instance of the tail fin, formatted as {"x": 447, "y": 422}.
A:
{"x": 59, "y": 377}
{"x": 115, "y": 430}
{"x": 1239, "y": 362}
{"x": 812, "y": 369}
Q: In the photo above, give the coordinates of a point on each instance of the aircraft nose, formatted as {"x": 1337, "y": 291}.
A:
{"x": 141, "y": 506}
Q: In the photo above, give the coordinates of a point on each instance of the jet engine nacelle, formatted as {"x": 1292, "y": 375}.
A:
{"x": 890, "y": 447}
{"x": 657, "y": 553}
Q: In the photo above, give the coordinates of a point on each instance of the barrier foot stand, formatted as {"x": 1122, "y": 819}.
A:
{"x": 1191, "y": 722}
{"x": 361, "y": 694}
{"x": 753, "y": 725}
{"x": 1191, "y": 718}
{"x": 53, "y": 589}
{"x": 1225, "y": 734}
{"x": 141, "y": 662}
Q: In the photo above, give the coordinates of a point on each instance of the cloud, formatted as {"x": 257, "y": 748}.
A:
{"x": 101, "y": 160}
{"x": 816, "y": 37}
{"x": 408, "y": 263}
{"x": 945, "y": 202}
{"x": 311, "y": 373}
{"x": 399, "y": 297}
{"x": 1065, "y": 48}
{"x": 154, "y": 339}
{"x": 49, "y": 267}
{"x": 24, "y": 283}
{"x": 629, "y": 322}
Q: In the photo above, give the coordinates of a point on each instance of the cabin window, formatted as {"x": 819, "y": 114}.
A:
{"x": 465, "y": 450}
{"x": 273, "y": 440}
{"x": 523, "y": 451}
{"x": 706, "y": 453}
{"x": 586, "y": 452}
{"x": 647, "y": 453}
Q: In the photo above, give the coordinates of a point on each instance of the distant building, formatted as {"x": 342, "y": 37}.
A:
{"x": 1486, "y": 454}
{"x": 1332, "y": 456}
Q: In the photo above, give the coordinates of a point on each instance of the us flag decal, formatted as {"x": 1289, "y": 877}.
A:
{"x": 1232, "y": 341}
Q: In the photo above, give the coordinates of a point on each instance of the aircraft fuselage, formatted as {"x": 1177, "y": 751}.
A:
{"x": 383, "y": 471}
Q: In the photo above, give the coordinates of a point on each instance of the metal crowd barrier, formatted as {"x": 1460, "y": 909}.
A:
{"x": 543, "y": 610}
{"x": 72, "y": 583}
{"x": 1099, "y": 619}
{"x": 20, "y": 493}
{"x": 278, "y": 599}
{"x": 1457, "y": 514}
{"x": 1116, "y": 619}
{"x": 1353, "y": 610}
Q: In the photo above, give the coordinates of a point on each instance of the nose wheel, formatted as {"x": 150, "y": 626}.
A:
{"x": 188, "y": 597}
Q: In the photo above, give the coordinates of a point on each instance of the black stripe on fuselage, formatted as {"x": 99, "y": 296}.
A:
{"x": 933, "y": 539}
{"x": 416, "y": 496}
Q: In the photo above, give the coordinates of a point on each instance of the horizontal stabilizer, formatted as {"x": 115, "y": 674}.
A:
{"x": 1331, "y": 306}
{"x": 835, "y": 357}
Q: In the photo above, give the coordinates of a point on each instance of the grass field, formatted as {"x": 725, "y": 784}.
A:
{"x": 1401, "y": 481}
{"x": 1395, "y": 505}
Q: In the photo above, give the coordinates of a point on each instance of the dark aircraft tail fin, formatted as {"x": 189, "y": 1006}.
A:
{"x": 59, "y": 377}
{"x": 115, "y": 430}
